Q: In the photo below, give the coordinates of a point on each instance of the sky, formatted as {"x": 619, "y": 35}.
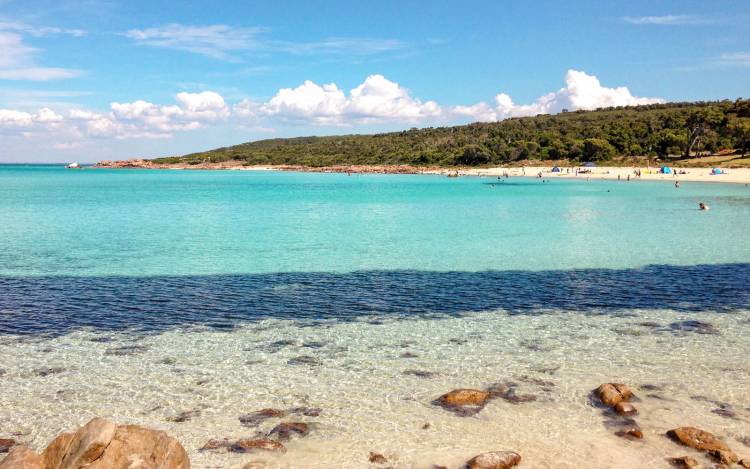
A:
{"x": 87, "y": 80}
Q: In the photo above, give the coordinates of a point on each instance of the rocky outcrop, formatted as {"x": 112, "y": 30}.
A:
{"x": 494, "y": 460}
{"x": 704, "y": 441}
{"x": 101, "y": 444}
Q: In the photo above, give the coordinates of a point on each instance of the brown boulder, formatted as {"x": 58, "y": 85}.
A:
{"x": 612, "y": 393}
{"x": 56, "y": 450}
{"x": 253, "y": 446}
{"x": 101, "y": 444}
{"x": 745, "y": 463}
{"x": 86, "y": 446}
{"x": 463, "y": 402}
{"x": 684, "y": 462}
{"x": 632, "y": 433}
{"x": 22, "y": 457}
{"x": 134, "y": 447}
{"x": 704, "y": 441}
{"x": 494, "y": 460}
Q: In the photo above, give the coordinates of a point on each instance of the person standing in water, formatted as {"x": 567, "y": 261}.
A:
{"x": 677, "y": 184}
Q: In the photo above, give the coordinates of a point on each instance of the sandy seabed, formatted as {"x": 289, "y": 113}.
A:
{"x": 357, "y": 372}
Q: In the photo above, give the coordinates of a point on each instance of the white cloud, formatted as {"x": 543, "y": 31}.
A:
{"x": 17, "y": 61}
{"x": 581, "y": 91}
{"x": 40, "y": 31}
{"x": 218, "y": 41}
{"x": 377, "y": 99}
{"x": 224, "y": 42}
{"x": 667, "y": 20}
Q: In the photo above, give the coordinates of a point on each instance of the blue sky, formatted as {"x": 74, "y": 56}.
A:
{"x": 89, "y": 79}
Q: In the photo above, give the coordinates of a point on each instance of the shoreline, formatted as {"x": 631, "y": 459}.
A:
{"x": 689, "y": 174}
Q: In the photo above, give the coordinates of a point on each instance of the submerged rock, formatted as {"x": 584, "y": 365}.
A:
{"x": 632, "y": 432}
{"x": 408, "y": 355}
{"x": 377, "y": 458}
{"x": 699, "y": 327}
{"x": 184, "y": 416}
{"x": 54, "y": 370}
{"x": 304, "y": 360}
{"x": 704, "y": 441}
{"x": 257, "y": 445}
{"x": 494, "y": 460}
{"x": 254, "y": 419}
{"x": 6, "y": 444}
{"x": 126, "y": 350}
{"x": 101, "y": 444}
{"x": 685, "y": 462}
{"x": 610, "y": 394}
{"x": 306, "y": 411}
{"x": 215, "y": 444}
{"x": 422, "y": 374}
{"x": 284, "y": 431}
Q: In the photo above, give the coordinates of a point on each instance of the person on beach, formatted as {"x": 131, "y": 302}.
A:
{"x": 628, "y": 177}
{"x": 703, "y": 206}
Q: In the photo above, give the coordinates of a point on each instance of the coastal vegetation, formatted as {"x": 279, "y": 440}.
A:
{"x": 675, "y": 131}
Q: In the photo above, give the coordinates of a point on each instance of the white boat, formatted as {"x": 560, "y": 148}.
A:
{"x": 73, "y": 165}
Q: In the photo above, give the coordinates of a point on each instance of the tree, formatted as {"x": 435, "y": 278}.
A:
{"x": 597, "y": 149}
{"x": 699, "y": 123}
{"x": 741, "y": 133}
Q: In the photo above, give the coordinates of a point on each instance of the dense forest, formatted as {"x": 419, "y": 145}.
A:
{"x": 673, "y": 130}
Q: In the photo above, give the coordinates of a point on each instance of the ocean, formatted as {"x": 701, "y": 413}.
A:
{"x": 138, "y": 295}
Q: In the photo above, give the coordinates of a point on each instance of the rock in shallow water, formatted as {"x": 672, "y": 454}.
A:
{"x": 625, "y": 408}
{"x": 610, "y": 394}
{"x": 463, "y": 402}
{"x": 704, "y": 441}
{"x": 257, "y": 445}
{"x": 494, "y": 460}
{"x": 377, "y": 458}
{"x": 254, "y": 419}
{"x": 285, "y": 431}
{"x": 101, "y": 444}
{"x": 699, "y": 327}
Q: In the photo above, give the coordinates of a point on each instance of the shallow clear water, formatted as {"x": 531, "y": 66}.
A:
{"x": 223, "y": 280}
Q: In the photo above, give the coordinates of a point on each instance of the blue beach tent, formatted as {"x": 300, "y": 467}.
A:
{"x": 717, "y": 171}
{"x": 666, "y": 170}
{"x": 556, "y": 169}
{"x": 589, "y": 164}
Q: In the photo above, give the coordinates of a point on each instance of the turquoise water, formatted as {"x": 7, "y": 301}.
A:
{"x": 149, "y": 223}
{"x": 138, "y": 295}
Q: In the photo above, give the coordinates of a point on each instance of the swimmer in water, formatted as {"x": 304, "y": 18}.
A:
{"x": 703, "y": 206}
{"x": 677, "y": 184}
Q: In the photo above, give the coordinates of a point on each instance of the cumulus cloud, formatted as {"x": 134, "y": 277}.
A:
{"x": 581, "y": 92}
{"x": 377, "y": 99}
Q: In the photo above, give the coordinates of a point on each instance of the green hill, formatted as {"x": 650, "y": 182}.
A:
{"x": 664, "y": 130}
